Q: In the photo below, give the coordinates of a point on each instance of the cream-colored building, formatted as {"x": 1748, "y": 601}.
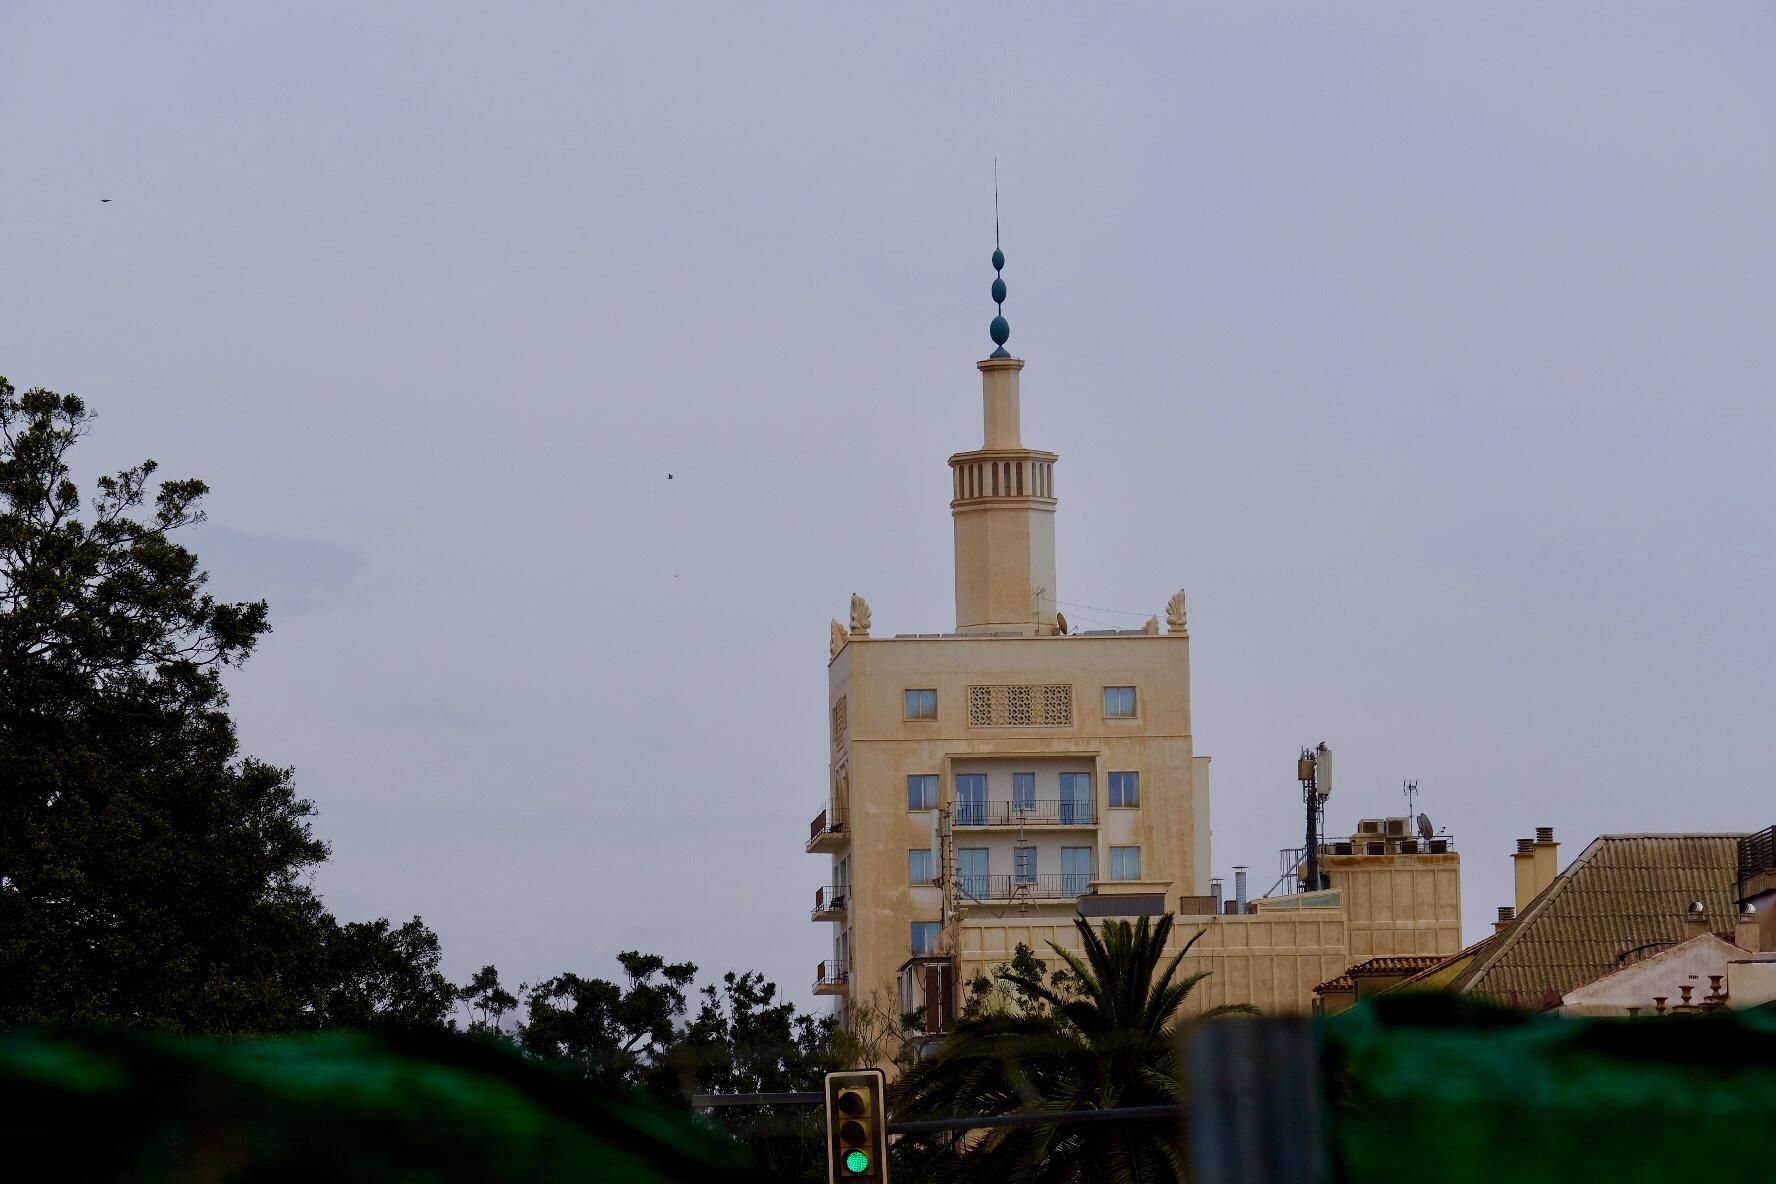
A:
{"x": 990, "y": 782}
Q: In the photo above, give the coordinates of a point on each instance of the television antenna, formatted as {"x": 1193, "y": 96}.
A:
{"x": 1410, "y": 789}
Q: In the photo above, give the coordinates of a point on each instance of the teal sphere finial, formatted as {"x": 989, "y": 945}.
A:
{"x": 1000, "y": 329}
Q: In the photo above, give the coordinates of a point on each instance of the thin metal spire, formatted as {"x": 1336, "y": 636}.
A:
{"x": 1000, "y": 329}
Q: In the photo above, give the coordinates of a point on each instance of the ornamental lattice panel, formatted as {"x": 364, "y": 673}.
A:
{"x": 838, "y": 723}
{"x": 1022, "y": 705}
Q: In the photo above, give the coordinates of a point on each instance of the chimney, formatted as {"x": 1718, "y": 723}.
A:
{"x": 1507, "y": 914}
{"x": 1745, "y": 933}
{"x": 1695, "y": 920}
{"x": 1215, "y": 891}
{"x": 1239, "y": 890}
{"x": 1547, "y": 858}
{"x": 1524, "y": 866}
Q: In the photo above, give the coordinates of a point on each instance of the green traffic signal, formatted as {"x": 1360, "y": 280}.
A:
{"x": 857, "y": 1161}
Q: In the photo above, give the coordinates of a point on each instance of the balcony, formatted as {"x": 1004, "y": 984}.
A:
{"x": 831, "y": 978}
{"x": 1026, "y": 813}
{"x": 1052, "y": 886}
{"x": 829, "y": 903}
{"x": 828, "y": 832}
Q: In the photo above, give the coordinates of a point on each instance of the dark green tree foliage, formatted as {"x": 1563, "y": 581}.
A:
{"x": 614, "y": 1033}
{"x": 1105, "y": 1042}
{"x": 744, "y": 1040}
{"x": 378, "y": 974}
{"x": 488, "y": 1002}
{"x": 149, "y": 873}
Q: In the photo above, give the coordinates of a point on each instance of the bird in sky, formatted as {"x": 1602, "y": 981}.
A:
{"x": 103, "y": 200}
{"x": 668, "y": 476}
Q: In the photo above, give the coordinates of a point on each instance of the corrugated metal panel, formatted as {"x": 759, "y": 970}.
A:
{"x": 1623, "y": 892}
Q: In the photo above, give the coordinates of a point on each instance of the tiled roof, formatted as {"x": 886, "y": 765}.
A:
{"x": 1387, "y": 964}
{"x": 1396, "y": 964}
{"x": 1439, "y": 974}
{"x": 1622, "y": 893}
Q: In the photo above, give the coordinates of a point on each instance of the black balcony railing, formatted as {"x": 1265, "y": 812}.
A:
{"x": 1078, "y": 812}
{"x": 830, "y": 899}
{"x": 830, "y": 972}
{"x": 830, "y": 821}
{"x": 1049, "y": 886}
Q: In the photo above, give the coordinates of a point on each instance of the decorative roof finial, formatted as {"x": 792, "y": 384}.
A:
{"x": 1000, "y": 329}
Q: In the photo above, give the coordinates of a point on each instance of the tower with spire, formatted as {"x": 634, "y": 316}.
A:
{"x": 1003, "y": 504}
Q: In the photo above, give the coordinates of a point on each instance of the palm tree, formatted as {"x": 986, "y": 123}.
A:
{"x": 1108, "y": 1042}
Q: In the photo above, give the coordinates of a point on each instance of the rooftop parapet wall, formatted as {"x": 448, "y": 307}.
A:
{"x": 1270, "y": 960}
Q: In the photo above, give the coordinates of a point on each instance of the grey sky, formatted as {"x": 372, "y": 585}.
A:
{"x": 1429, "y": 347}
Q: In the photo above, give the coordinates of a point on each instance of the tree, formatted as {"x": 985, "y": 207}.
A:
{"x": 1107, "y": 1042}
{"x": 488, "y": 1002}
{"x": 381, "y": 976}
{"x": 614, "y": 1033}
{"x": 744, "y": 1040}
{"x": 1003, "y": 991}
{"x": 149, "y": 873}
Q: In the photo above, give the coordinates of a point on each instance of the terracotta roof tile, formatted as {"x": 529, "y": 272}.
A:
{"x": 1341, "y": 983}
{"x": 1396, "y": 964}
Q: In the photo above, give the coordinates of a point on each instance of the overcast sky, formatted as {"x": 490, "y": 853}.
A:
{"x": 1429, "y": 347}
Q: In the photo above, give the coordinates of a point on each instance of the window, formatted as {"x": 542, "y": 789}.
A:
{"x": 1023, "y": 791}
{"x": 925, "y": 936}
{"x": 920, "y": 867}
{"x": 922, "y": 791}
{"x": 1119, "y": 702}
{"x": 923, "y": 705}
{"x": 971, "y": 799}
{"x": 1125, "y": 789}
{"x": 974, "y": 879}
{"x": 1023, "y": 861}
{"x": 1076, "y": 799}
{"x": 1125, "y": 863}
{"x": 1076, "y": 871}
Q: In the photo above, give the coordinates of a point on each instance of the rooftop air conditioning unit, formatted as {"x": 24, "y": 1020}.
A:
{"x": 1341, "y": 848}
{"x": 1369, "y": 826}
{"x": 1396, "y": 826}
{"x": 1377, "y": 848}
{"x": 1409, "y": 846}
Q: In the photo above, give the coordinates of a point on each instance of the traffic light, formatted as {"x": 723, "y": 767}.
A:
{"x": 857, "y": 1127}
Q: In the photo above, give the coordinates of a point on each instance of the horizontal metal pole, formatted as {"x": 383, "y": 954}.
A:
{"x": 1037, "y": 1118}
{"x": 699, "y": 1101}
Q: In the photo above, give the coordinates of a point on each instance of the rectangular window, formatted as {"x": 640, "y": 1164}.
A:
{"x": 971, "y": 799}
{"x": 1125, "y": 789}
{"x": 974, "y": 879}
{"x": 1023, "y": 860}
{"x": 1119, "y": 702}
{"x": 921, "y": 704}
{"x": 1023, "y": 791}
{"x": 1076, "y": 799}
{"x": 1076, "y": 871}
{"x": 925, "y": 936}
{"x": 1125, "y": 863}
{"x": 920, "y": 867}
{"x": 922, "y": 791}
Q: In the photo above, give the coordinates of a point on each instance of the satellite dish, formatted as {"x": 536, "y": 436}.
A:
{"x": 1061, "y": 623}
{"x": 1424, "y": 826}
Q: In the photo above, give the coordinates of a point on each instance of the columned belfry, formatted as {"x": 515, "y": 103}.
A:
{"x": 1003, "y": 505}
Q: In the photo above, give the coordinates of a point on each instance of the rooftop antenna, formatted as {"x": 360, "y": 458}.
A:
{"x": 1313, "y": 768}
{"x": 1410, "y": 789}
